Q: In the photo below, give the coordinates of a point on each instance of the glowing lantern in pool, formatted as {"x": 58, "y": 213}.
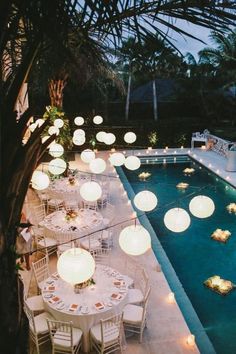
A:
{"x": 97, "y": 120}
{"x": 177, "y": 220}
{"x": 145, "y": 201}
{"x": 90, "y": 191}
{"x": 78, "y": 140}
{"x": 56, "y": 150}
{"x": 57, "y": 166}
{"x": 79, "y": 132}
{"x": 39, "y": 122}
{"x": 58, "y": 123}
{"x": 32, "y": 127}
{"x": 132, "y": 163}
{"x": 40, "y": 180}
{"x": 130, "y": 137}
{"x": 87, "y": 155}
{"x": 100, "y": 136}
{"x": 109, "y": 139}
{"x": 202, "y": 206}
{"x": 97, "y": 165}
{"x": 117, "y": 159}
{"x": 53, "y": 130}
{"x": 79, "y": 121}
{"x": 135, "y": 240}
{"x": 76, "y": 266}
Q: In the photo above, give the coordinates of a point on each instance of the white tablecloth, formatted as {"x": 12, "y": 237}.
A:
{"x": 63, "y": 185}
{"x": 106, "y": 288}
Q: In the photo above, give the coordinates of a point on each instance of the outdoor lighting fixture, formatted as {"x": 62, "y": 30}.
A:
{"x": 145, "y": 201}
{"x": 191, "y": 340}
{"x": 79, "y": 140}
{"x": 97, "y": 120}
{"x": 57, "y": 166}
{"x": 171, "y": 298}
{"x": 203, "y": 147}
{"x": 231, "y": 208}
{"x": 87, "y": 155}
{"x": 144, "y": 175}
{"x": 117, "y": 159}
{"x": 130, "y": 137}
{"x": 53, "y": 130}
{"x": 135, "y": 240}
{"x": 182, "y": 185}
{"x": 39, "y": 122}
{"x": 220, "y": 286}
{"x": 109, "y": 139}
{"x": 79, "y": 132}
{"x": 79, "y": 121}
{"x": 97, "y": 165}
{"x": 177, "y": 220}
{"x": 56, "y": 150}
{"x": 40, "y": 180}
{"x": 100, "y": 136}
{"x": 221, "y": 235}
{"x": 90, "y": 191}
{"x": 132, "y": 163}
{"x": 188, "y": 171}
{"x": 76, "y": 266}
{"x": 202, "y": 206}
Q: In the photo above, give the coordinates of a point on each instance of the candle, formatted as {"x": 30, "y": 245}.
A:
{"x": 191, "y": 340}
{"x": 171, "y": 298}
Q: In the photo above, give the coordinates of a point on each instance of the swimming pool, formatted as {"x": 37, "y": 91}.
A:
{"x": 193, "y": 254}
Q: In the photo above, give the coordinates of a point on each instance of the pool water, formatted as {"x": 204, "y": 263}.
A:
{"x": 192, "y": 253}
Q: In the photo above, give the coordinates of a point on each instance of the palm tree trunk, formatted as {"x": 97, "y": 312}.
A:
{"x": 128, "y": 99}
{"x": 56, "y": 88}
{"x": 154, "y": 100}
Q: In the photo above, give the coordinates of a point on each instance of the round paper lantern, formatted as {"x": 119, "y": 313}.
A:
{"x": 117, "y": 159}
{"x": 75, "y": 266}
{"x": 130, "y": 137}
{"x": 87, "y": 155}
{"x": 132, "y": 163}
{"x": 145, "y": 201}
{"x": 202, "y": 206}
{"x": 78, "y": 140}
{"x": 57, "y": 166}
{"x": 97, "y": 165}
{"x": 53, "y": 130}
{"x": 40, "y": 180}
{"x": 45, "y": 138}
{"x": 39, "y": 122}
{"x": 56, "y": 150}
{"x": 177, "y": 220}
{"x": 97, "y": 120}
{"x": 90, "y": 191}
{"x": 109, "y": 138}
{"x": 79, "y": 121}
{"x": 135, "y": 240}
{"x": 58, "y": 123}
{"x": 79, "y": 132}
{"x": 32, "y": 127}
{"x": 100, "y": 136}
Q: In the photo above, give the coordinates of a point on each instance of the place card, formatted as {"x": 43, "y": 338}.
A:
{"x": 99, "y": 306}
{"x": 118, "y": 283}
{"x": 54, "y": 300}
{"x": 73, "y": 307}
{"x": 116, "y": 296}
{"x": 49, "y": 288}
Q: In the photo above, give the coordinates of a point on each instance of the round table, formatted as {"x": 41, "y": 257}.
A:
{"x": 107, "y": 297}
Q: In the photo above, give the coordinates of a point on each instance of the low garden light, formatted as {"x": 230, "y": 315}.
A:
{"x": 132, "y": 163}
{"x": 135, "y": 240}
{"x": 40, "y": 180}
{"x": 57, "y": 166}
{"x": 177, "y": 220}
{"x": 145, "y": 201}
{"x": 202, "y": 206}
{"x": 90, "y": 191}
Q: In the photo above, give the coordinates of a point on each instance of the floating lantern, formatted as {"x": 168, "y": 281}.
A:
{"x": 40, "y": 180}
{"x": 109, "y": 139}
{"x": 56, "y": 150}
{"x": 100, "y": 136}
{"x": 53, "y": 130}
{"x": 130, "y": 137}
{"x": 177, "y": 220}
{"x": 145, "y": 201}
{"x": 97, "y": 165}
{"x": 58, "y": 123}
{"x": 221, "y": 235}
{"x": 144, "y": 175}
{"x": 117, "y": 159}
{"x": 90, "y": 191}
{"x": 79, "y": 121}
{"x": 87, "y": 155}
{"x": 202, "y": 206}
{"x": 97, "y": 120}
{"x": 231, "y": 208}
{"x": 79, "y": 140}
{"x": 219, "y": 285}
{"x": 135, "y": 240}
{"x": 188, "y": 170}
{"x": 57, "y": 166}
{"x": 182, "y": 185}
{"x": 132, "y": 163}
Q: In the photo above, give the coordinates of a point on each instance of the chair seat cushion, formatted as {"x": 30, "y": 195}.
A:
{"x": 35, "y": 303}
{"x": 49, "y": 242}
{"x": 40, "y": 321}
{"x": 135, "y": 296}
{"x": 61, "y": 338}
{"x": 132, "y": 314}
{"x": 113, "y": 335}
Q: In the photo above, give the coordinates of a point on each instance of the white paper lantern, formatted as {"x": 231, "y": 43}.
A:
{"x": 39, "y": 122}
{"x": 117, "y": 159}
{"x": 97, "y": 120}
{"x": 58, "y": 123}
{"x": 45, "y": 138}
{"x": 79, "y": 140}
{"x": 145, "y": 201}
{"x": 97, "y": 165}
{"x": 109, "y": 139}
{"x": 100, "y": 136}
{"x": 79, "y": 121}
{"x": 87, "y": 155}
{"x": 32, "y": 127}
{"x": 135, "y": 240}
{"x": 57, "y": 166}
{"x": 130, "y": 137}
{"x": 79, "y": 132}
{"x": 56, "y": 150}
{"x": 90, "y": 191}
{"x": 40, "y": 180}
{"x": 132, "y": 163}
{"x": 76, "y": 266}
{"x": 202, "y": 206}
{"x": 177, "y": 220}
{"x": 53, "y": 130}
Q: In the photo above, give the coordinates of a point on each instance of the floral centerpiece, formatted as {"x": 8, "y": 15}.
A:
{"x": 220, "y": 286}
{"x": 78, "y": 287}
{"x": 221, "y": 235}
{"x": 231, "y": 208}
{"x": 71, "y": 215}
{"x": 71, "y": 180}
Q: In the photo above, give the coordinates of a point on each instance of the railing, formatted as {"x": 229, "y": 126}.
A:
{"x": 214, "y": 143}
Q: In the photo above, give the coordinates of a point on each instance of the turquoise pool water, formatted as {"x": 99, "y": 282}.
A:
{"x": 192, "y": 253}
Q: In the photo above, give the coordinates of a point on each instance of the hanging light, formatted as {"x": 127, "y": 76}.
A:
{"x": 135, "y": 240}
{"x": 45, "y": 138}
{"x": 100, "y": 136}
{"x": 145, "y": 201}
{"x": 130, "y": 137}
{"x": 56, "y": 150}
{"x": 39, "y": 122}
{"x": 40, "y": 180}
{"x": 57, "y": 166}
{"x": 97, "y": 165}
{"x": 79, "y": 132}
{"x": 117, "y": 159}
{"x": 75, "y": 266}
{"x": 177, "y": 220}
{"x": 132, "y": 163}
{"x": 58, "y": 123}
{"x": 53, "y": 130}
{"x": 97, "y": 120}
{"x": 109, "y": 139}
{"x": 32, "y": 127}
{"x": 79, "y": 121}
{"x": 90, "y": 191}
{"x": 202, "y": 206}
{"x": 79, "y": 140}
{"x": 87, "y": 155}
